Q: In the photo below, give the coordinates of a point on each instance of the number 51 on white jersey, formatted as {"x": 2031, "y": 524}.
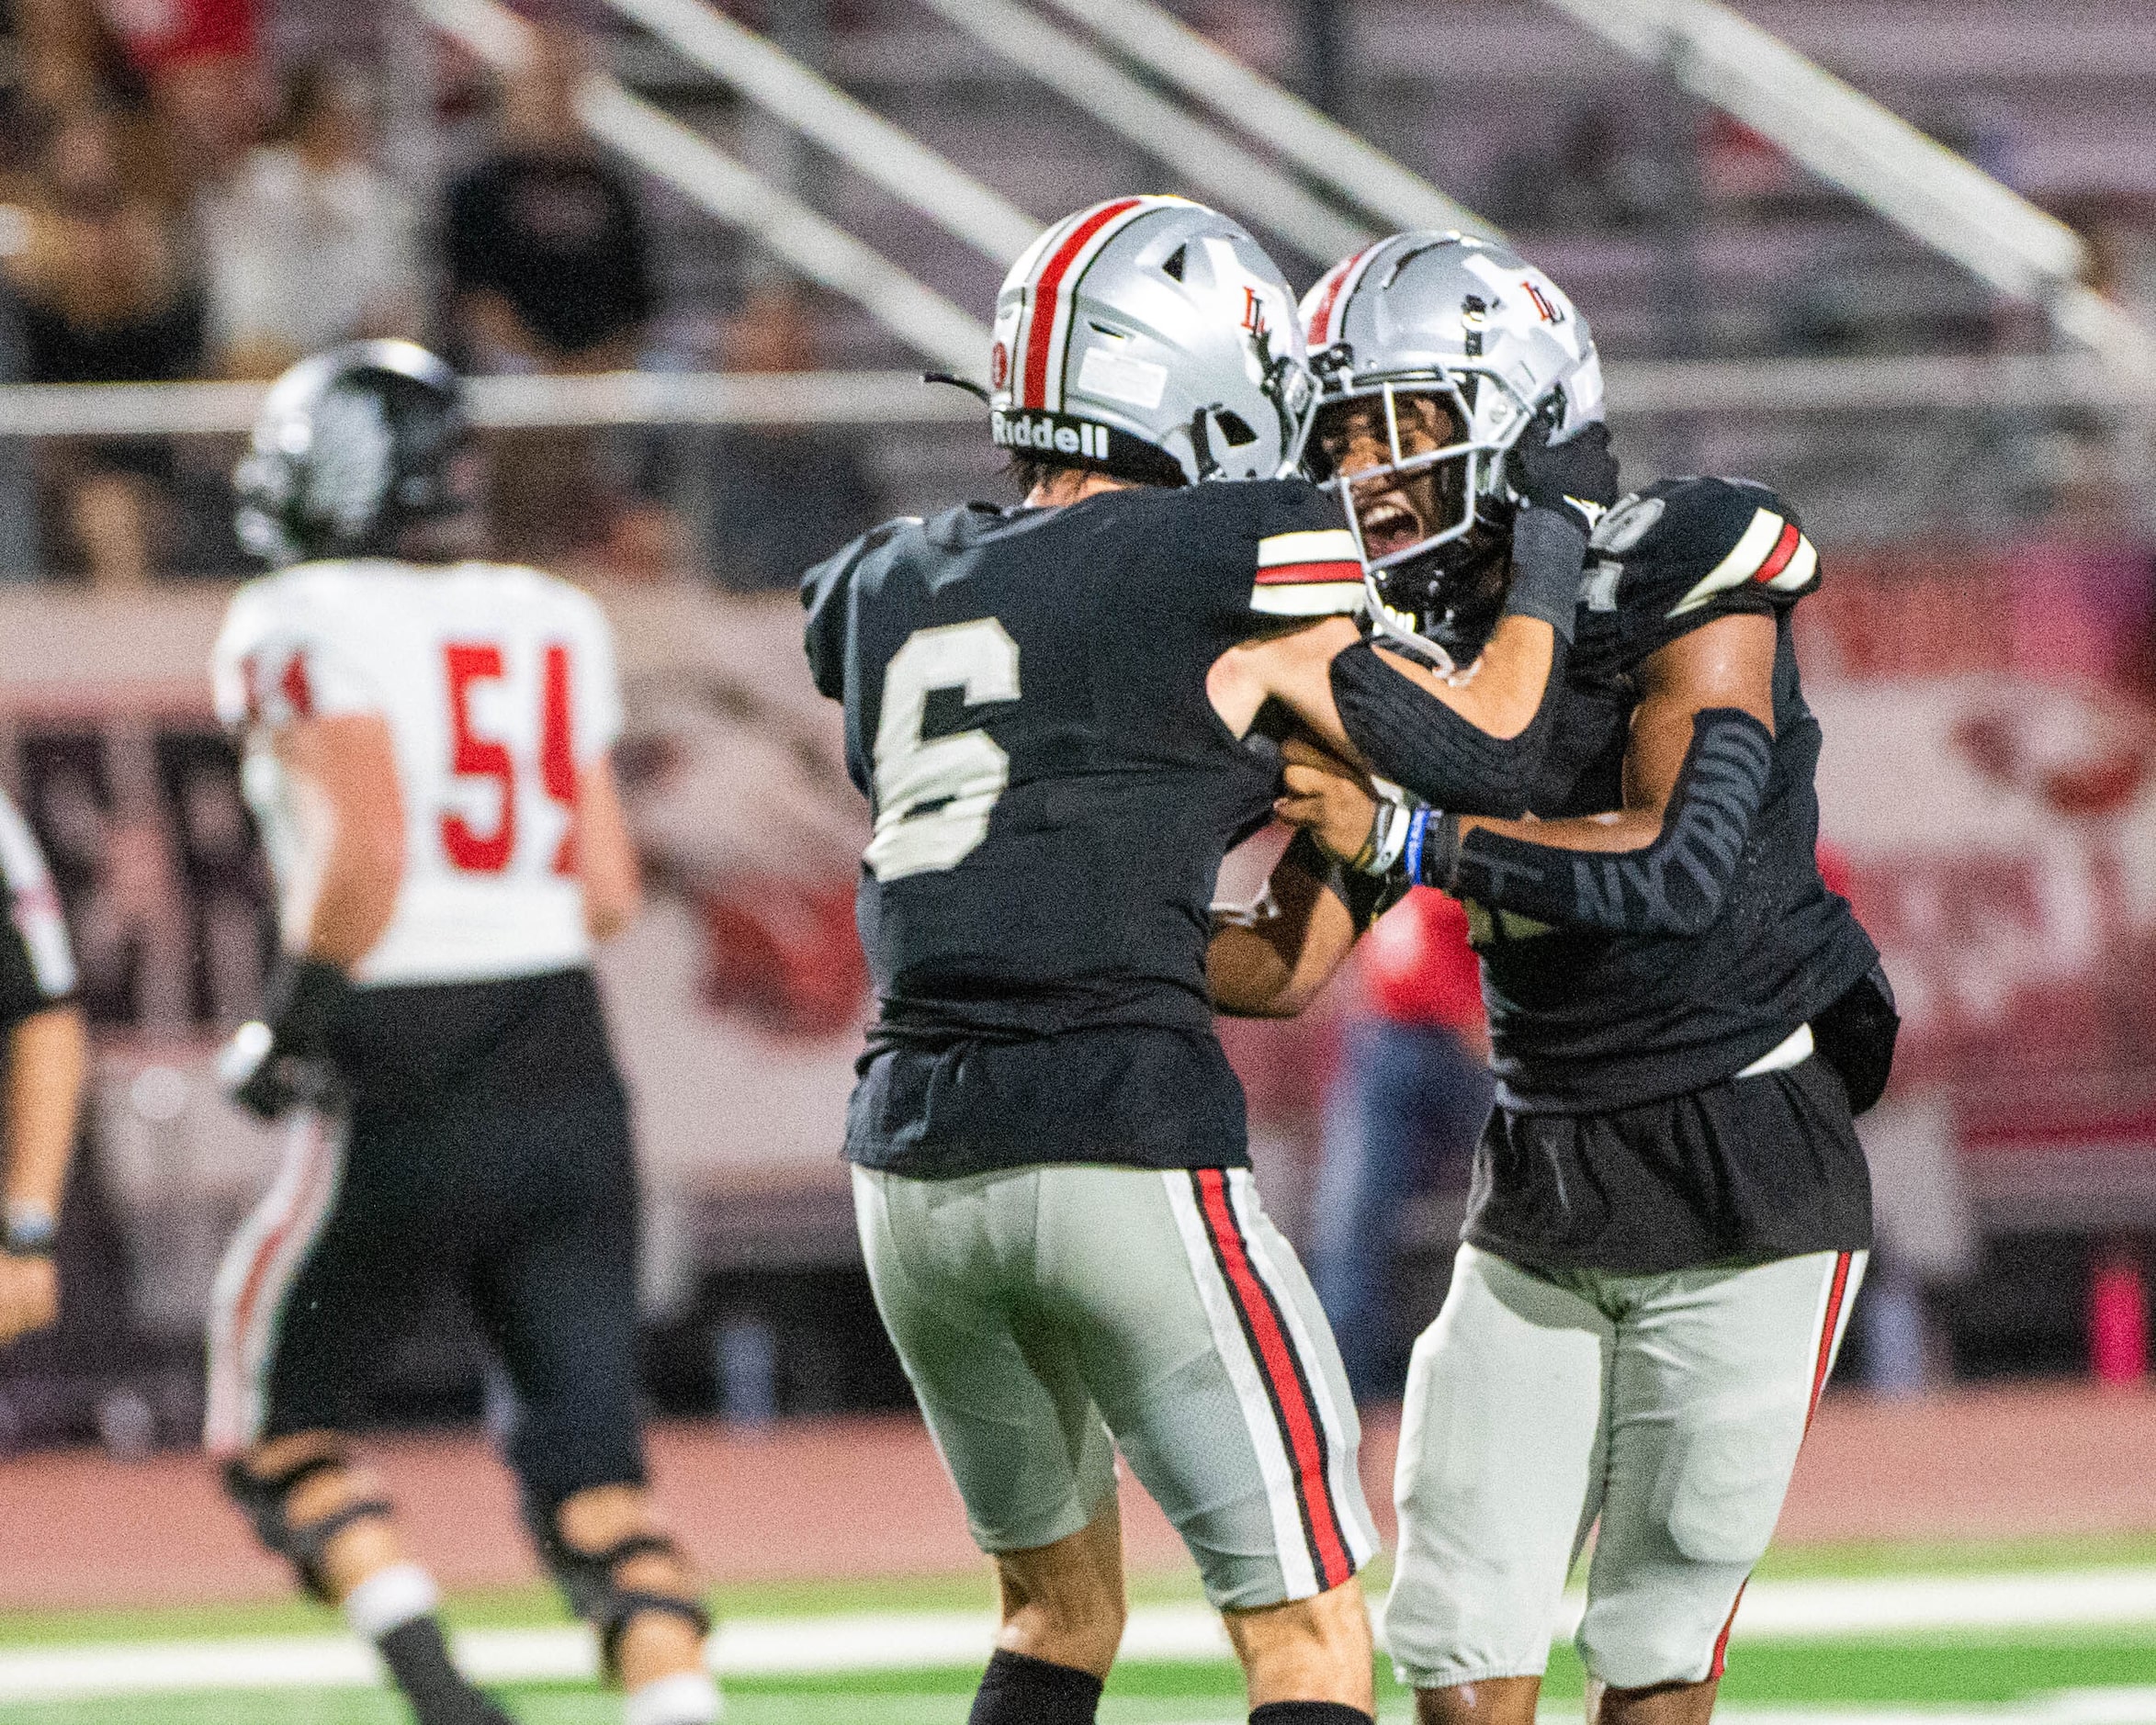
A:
{"x": 497, "y": 686}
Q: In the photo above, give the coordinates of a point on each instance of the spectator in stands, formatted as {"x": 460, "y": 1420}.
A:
{"x": 549, "y": 270}
{"x": 70, "y": 58}
{"x": 200, "y": 62}
{"x": 101, "y": 297}
{"x": 1409, "y": 1100}
{"x": 781, "y": 496}
{"x": 310, "y": 245}
{"x": 548, "y": 257}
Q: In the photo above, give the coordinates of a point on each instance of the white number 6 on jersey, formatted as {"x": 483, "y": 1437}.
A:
{"x": 965, "y": 773}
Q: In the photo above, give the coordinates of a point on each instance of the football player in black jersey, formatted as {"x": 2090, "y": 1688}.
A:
{"x": 48, "y": 1057}
{"x": 1670, "y": 1211}
{"x": 1052, "y": 710}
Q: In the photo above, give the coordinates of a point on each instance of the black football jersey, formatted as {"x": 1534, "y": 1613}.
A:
{"x": 1053, "y": 794}
{"x": 1581, "y": 1020}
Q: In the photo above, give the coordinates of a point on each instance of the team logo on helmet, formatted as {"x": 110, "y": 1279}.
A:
{"x": 1449, "y": 348}
{"x": 998, "y": 366}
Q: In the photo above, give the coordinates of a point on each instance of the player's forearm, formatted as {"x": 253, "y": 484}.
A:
{"x": 1625, "y": 830}
{"x": 1638, "y": 871}
{"x": 47, "y": 1060}
{"x": 1510, "y": 683}
{"x": 1411, "y": 727}
{"x": 1273, "y": 964}
{"x": 354, "y": 901}
{"x": 1475, "y": 746}
{"x": 606, "y": 856}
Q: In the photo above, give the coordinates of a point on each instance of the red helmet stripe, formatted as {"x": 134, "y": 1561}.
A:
{"x": 1321, "y": 319}
{"x": 1042, "y": 307}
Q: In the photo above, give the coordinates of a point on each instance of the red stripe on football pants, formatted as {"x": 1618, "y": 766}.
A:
{"x": 1276, "y": 1361}
{"x": 1835, "y": 1294}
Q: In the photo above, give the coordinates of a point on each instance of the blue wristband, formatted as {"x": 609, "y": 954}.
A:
{"x": 1418, "y": 824}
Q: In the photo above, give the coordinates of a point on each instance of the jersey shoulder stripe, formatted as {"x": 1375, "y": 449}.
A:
{"x": 1312, "y": 572}
{"x": 1772, "y": 552}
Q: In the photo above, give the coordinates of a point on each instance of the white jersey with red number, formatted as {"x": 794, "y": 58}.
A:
{"x": 497, "y": 686}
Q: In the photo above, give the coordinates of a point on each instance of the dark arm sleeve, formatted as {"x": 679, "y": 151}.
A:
{"x": 1674, "y": 886}
{"x": 1415, "y": 739}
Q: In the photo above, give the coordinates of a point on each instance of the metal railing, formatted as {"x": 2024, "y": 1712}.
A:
{"x": 1321, "y": 147}
{"x": 919, "y": 177}
{"x": 1637, "y": 389}
{"x": 817, "y": 249}
{"x": 1852, "y": 141}
{"x": 1222, "y": 170}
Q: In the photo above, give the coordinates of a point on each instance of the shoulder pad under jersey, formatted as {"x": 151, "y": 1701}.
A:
{"x": 1683, "y": 552}
{"x": 1258, "y": 548}
{"x": 827, "y": 597}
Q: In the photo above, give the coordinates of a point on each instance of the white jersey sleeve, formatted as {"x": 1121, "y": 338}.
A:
{"x": 499, "y": 690}
{"x": 597, "y": 683}
{"x": 285, "y": 654}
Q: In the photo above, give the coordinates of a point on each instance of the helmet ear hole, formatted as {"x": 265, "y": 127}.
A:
{"x": 1172, "y": 265}
{"x": 1234, "y": 428}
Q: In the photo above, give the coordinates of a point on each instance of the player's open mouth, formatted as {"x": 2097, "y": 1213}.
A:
{"x": 1389, "y": 526}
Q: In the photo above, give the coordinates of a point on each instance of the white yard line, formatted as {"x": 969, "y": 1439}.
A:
{"x": 1824, "y": 1611}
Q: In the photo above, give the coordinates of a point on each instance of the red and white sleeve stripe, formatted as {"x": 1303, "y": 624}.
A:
{"x": 1770, "y": 553}
{"x": 1314, "y": 573}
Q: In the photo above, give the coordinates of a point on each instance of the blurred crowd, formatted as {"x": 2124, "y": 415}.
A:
{"x": 174, "y": 205}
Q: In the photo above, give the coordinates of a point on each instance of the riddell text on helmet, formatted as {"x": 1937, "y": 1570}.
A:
{"x": 1051, "y": 434}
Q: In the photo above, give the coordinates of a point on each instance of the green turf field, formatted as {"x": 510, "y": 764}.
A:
{"x": 2067, "y": 1672}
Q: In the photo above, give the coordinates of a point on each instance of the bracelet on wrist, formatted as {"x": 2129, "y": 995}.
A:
{"x": 1432, "y": 849}
{"x": 31, "y": 1231}
{"x": 1388, "y": 838}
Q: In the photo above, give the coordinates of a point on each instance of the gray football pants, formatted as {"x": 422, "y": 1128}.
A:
{"x": 1669, "y": 1406}
{"x": 1047, "y": 1315}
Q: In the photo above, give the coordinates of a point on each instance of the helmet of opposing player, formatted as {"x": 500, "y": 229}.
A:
{"x": 1435, "y": 353}
{"x": 352, "y": 449}
{"x": 1151, "y": 338}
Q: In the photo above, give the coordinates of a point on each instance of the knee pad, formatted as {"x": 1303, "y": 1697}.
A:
{"x": 589, "y": 1581}
{"x": 264, "y": 1498}
{"x": 1721, "y": 1499}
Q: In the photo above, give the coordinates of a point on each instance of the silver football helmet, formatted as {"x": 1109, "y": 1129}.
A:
{"x": 1468, "y": 325}
{"x": 352, "y": 447}
{"x": 1153, "y": 338}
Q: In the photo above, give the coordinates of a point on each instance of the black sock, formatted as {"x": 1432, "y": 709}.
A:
{"x": 1018, "y": 1690}
{"x": 1309, "y": 1713}
{"x": 418, "y": 1658}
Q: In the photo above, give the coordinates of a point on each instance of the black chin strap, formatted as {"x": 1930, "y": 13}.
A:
{"x": 956, "y": 382}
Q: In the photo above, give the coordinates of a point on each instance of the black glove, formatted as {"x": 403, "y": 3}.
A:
{"x": 281, "y": 1061}
{"x": 1577, "y": 477}
{"x": 1855, "y": 1037}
